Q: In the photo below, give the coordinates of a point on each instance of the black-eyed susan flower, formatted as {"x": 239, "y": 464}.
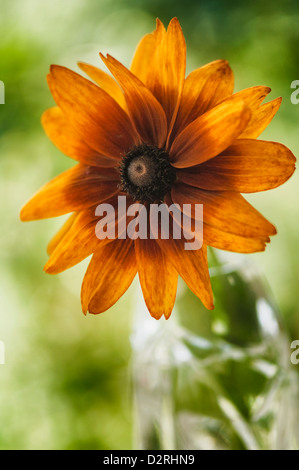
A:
{"x": 152, "y": 135}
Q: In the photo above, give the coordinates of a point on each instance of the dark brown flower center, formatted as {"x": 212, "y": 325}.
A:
{"x": 146, "y": 173}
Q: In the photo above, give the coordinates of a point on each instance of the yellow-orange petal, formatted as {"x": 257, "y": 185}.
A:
{"x": 104, "y": 81}
{"x": 261, "y": 115}
{"x": 216, "y": 238}
{"x": 56, "y": 239}
{"x": 253, "y": 96}
{"x": 192, "y": 266}
{"x": 146, "y": 51}
{"x": 65, "y": 137}
{"x": 160, "y": 62}
{"x": 146, "y": 112}
{"x": 108, "y": 276}
{"x": 92, "y": 112}
{"x": 158, "y": 278}
{"x": 246, "y": 166}
{"x": 228, "y": 211}
{"x": 231, "y": 242}
{"x": 73, "y": 190}
{"x": 260, "y": 119}
{"x": 210, "y": 134}
{"x": 79, "y": 242}
{"x": 203, "y": 89}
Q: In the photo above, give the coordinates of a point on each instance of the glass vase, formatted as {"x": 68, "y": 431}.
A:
{"x": 218, "y": 379}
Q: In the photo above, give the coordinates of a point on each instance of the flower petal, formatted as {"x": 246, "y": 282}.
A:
{"x": 203, "y": 89}
{"x": 65, "y": 137}
{"x": 145, "y": 111}
{"x": 253, "y": 96}
{"x": 210, "y": 134}
{"x": 232, "y": 242}
{"x": 166, "y": 54}
{"x": 260, "y": 119}
{"x": 227, "y": 211}
{"x": 108, "y": 276}
{"x": 246, "y": 166}
{"x": 192, "y": 266}
{"x": 170, "y": 60}
{"x": 82, "y": 238}
{"x": 78, "y": 243}
{"x": 158, "y": 277}
{"x": 56, "y": 239}
{"x": 92, "y": 112}
{"x": 223, "y": 240}
{"x": 261, "y": 115}
{"x": 104, "y": 81}
{"x": 146, "y": 51}
{"x": 73, "y": 190}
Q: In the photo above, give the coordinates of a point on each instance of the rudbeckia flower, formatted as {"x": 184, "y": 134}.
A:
{"x": 150, "y": 134}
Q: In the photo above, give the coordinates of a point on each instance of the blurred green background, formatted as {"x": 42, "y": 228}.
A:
{"x": 66, "y": 381}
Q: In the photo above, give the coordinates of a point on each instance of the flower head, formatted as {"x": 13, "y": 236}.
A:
{"x": 152, "y": 135}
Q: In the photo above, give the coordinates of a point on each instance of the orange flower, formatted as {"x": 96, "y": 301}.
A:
{"x": 153, "y": 135}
